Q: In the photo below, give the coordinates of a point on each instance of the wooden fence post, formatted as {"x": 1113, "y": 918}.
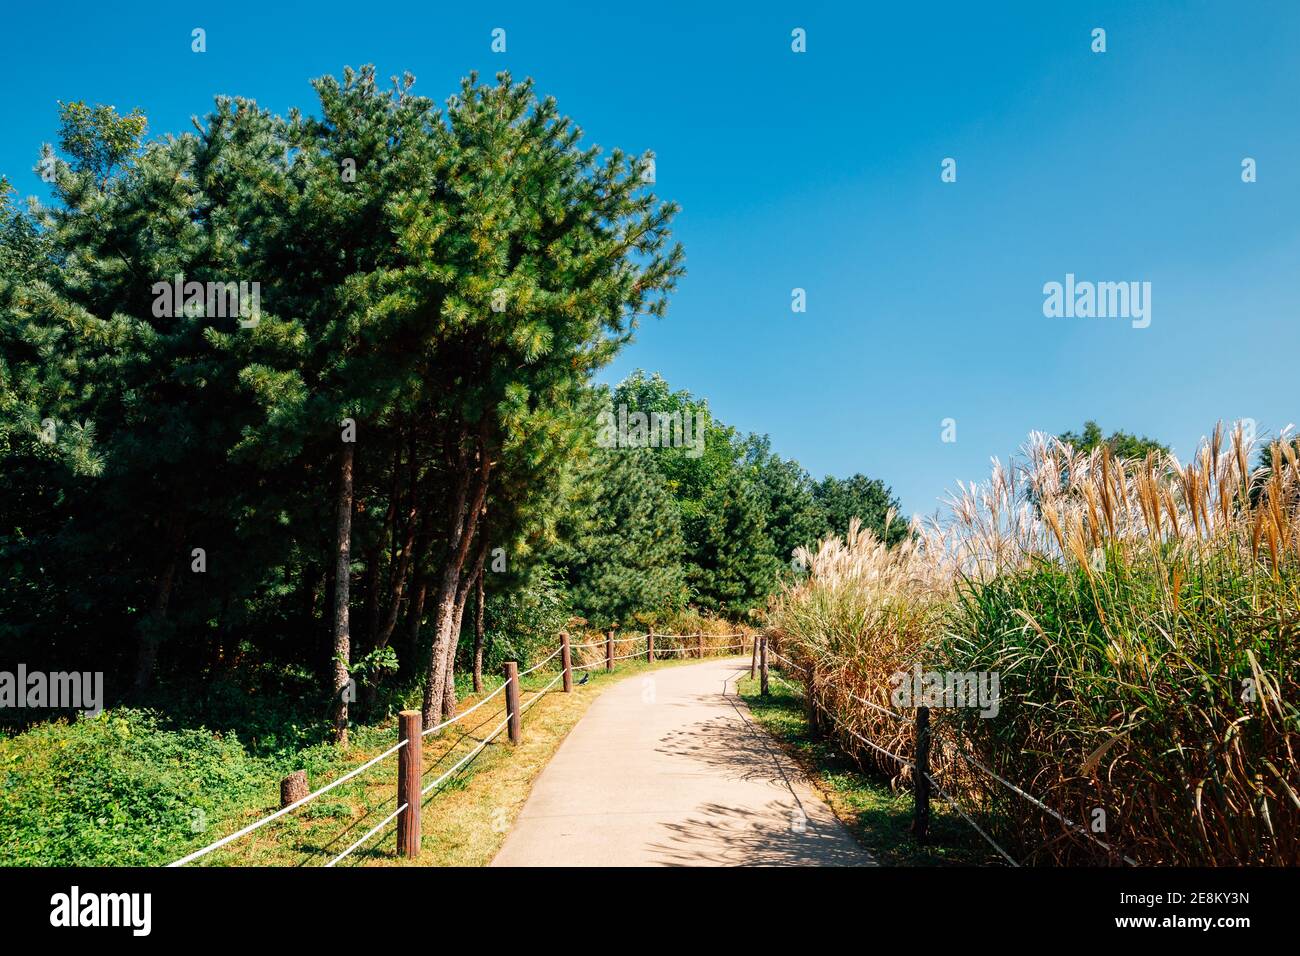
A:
{"x": 609, "y": 650}
{"x": 566, "y": 661}
{"x": 921, "y": 788}
{"x": 512, "y": 701}
{"x": 810, "y": 699}
{"x": 699, "y": 638}
{"x": 409, "y": 766}
{"x": 762, "y": 665}
{"x": 753, "y": 659}
{"x": 650, "y": 646}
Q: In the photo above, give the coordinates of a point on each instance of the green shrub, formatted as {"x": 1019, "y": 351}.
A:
{"x": 115, "y": 790}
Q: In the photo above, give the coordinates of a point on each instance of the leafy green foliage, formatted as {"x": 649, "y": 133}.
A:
{"x": 522, "y": 625}
{"x": 1121, "y": 443}
{"x": 622, "y": 543}
{"x": 97, "y": 139}
{"x": 114, "y": 790}
{"x": 867, "y": 499}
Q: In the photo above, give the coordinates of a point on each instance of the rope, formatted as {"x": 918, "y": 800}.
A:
{"x": 540, "y": 663}
{"x": 786, "y": 660}
{"x": 794, "y": 687}
{"x": 905, "y": 762}
{"x": 694, "y": 637}
{"x": 987, "y": 838}
{"x": 540, "y": 694}
{"x": 379, "y": 826}
{"x": 198, "y": 854}
{"x": 839, "y": 723}
{"x": 465, "y": 759}
{"x": 293, "y": 806}
{"x": 970, "y": 760}
{"x": 676, "y": 650}
{"x": 1038, "y": 803}
{"x": 447, "y": 723}
{"x": 874, "y": 706}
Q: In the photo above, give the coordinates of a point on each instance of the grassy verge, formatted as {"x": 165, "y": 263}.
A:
{"x": 879, "y": 816}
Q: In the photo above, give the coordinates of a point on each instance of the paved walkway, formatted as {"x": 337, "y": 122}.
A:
{"x": 668, "y": 769}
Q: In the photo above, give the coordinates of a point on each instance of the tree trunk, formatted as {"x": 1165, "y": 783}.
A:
{"x": 150, "y": 633}
{"x": 449, "y": 684}
{"x": 462, "y": 598}
{"x": 478, "y": 631}
{"x": 463, "y": 515}
{"x": 342, "y": 586}
{"x": 401, "y": 573}
{"x": 421, "y": 557}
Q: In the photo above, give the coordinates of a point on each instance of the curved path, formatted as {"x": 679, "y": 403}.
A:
{"x": 668, "y": 769}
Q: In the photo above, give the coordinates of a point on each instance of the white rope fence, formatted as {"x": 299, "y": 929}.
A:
{"x": 681, "y": 650}
{"x": 853, "y": 733}
{"x": 373, "y": 830}
{"x": 545, "y": 660}
{"x": 877, "y": 707}
{"x": 289, "y": 809}
{"x": 798, "y": 690}
{"x": 463, "y": 714}
{"x": 1042, "y": 806}
{"x": 537, "y": 695}
{"x": 541, "y": 693}
{"x": 953, "y": 803}
{"x": 492, "y": 735}
{"x": 469, "y": 756}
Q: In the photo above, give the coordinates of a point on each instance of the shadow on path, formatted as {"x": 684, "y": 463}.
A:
{"x": 773, "y": 835}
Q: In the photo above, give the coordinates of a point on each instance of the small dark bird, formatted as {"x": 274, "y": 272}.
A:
{"x": 585, "y": 677}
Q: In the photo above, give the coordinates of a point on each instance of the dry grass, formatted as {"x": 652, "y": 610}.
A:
{"x": 1142, "y": 617}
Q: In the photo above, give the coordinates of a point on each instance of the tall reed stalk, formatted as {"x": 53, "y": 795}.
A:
{"x": 1141, "y": 617}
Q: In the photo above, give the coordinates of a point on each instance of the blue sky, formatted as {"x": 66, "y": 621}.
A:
{"x": 822, "y": 171}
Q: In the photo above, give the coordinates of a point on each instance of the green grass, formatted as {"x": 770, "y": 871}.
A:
{"x": 126, "y": 788}
{"x": 123, "y": 789}
{"x": 878, "y": 815}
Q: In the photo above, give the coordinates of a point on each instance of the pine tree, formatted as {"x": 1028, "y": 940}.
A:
{"x": 717, "y": 495}
{"x": 868, "y": 499}
{"x": 622, "y": 542}
{"x": 733, "y": 566}
{"x": 794, "y": 518}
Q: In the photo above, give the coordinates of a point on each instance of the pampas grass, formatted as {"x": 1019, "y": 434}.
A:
{"x": 1142, "y": 617}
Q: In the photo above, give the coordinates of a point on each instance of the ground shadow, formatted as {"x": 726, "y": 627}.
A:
{"x": 776, "y": 835}
{"x": 726, "y": 745}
